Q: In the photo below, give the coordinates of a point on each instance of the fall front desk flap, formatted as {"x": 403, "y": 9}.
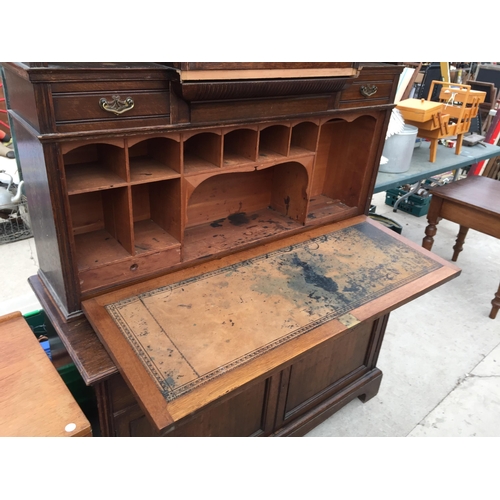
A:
{"x": 187, "y": 338}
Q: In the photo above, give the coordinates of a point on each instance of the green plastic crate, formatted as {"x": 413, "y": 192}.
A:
{"x": 415, "y": 205}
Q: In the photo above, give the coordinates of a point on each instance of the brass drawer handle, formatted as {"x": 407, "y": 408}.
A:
{"x": 368, "y": 90}
{"x": 116, "y": 106}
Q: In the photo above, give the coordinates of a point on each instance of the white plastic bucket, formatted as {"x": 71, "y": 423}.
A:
{"x": 398, "y": 150}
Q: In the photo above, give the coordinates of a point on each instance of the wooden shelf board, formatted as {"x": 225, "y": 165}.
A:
{"x": 143, "y": 169}
{"x": 321, "y": 206}
{"x": 269, "y": 155}
{"x": 87, "y": 177}
{"x": 234, "y": 159}
{"x": 149, "y": 236}
{"x": 243, "y": 74}
{"x": 298, "y": 151}
{"x": 96, "y": 249}
{"x": 234, "y": 232}
{"x": 194, "y": 164}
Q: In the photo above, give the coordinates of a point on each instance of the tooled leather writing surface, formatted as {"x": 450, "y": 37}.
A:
{"x": 194, "y": 330}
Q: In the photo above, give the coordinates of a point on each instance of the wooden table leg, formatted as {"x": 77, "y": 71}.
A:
{"x": 459, "y": 244}
{"x": 458, "y": 144}
{"x": 430, "y": 232}
{"x": 433, "y": 150}
{"x": 496, "y": 304}
{"x": 433, "y": 220}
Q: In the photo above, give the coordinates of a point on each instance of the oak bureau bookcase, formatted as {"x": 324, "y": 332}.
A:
{"x": 201, "y": 230}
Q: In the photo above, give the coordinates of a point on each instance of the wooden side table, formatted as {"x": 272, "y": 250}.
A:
{"x": 474, "y": 203}
{"x": 34, "y": 400}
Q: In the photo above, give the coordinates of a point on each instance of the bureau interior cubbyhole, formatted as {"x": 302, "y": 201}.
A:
{"x": 156, "y": 215}
{"x": 101, "y": 227}
{"x": 202, "y": 152}
{"x": 231, "y": 210}
{"x": 154, "y": 159}
{"x": 304, "y": 138}
{"x": 240, "y": 146}
{"x": 95, "y": 166}
{"x": 341, "y": 166}
{"x": 274, "y": 143}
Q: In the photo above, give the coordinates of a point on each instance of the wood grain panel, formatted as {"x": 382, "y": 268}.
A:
{"x": 323, "y": 367}
{"x": 34, "y": 400}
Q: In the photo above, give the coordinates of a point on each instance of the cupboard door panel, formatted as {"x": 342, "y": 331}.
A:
{"x": 242, "y": 415}
{"x": 311, "y": 376}
{"x": 132, "y": 423}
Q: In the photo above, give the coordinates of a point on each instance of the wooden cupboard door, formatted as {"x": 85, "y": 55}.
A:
{"x": 324, "y": 371}
{"x": 242, "y": 415}
{"x": 133, "y": 423}
{"x": 249, "y": 413}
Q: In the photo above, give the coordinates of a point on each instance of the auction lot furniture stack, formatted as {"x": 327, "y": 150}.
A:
{"x": 210, "y": 220}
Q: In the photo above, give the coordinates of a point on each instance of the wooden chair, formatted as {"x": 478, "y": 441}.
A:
{"x": 488, "y": 104}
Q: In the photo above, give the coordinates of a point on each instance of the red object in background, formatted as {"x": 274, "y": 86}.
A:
{"x": 492, "y": 137}
{"x": 4, "y": 122}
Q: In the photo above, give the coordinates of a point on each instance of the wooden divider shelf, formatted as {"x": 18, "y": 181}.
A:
{"x": 154, "y": 159}
{"x": 91, "y": 167}
{"x": 240, "y": 147}
{"x": 275, "y": 178}
{"x": 101, "y": 227}
{"x": 156, "y": 215}
{"x": 304, "y": 138}
{"x": 202, "y": 152}
{"x": 274, "y": 142}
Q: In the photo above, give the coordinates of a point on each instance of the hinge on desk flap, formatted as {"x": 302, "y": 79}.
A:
{"x": 349, "y": 320}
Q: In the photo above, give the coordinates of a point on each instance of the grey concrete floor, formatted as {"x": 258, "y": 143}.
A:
{"x": 18, "y": 261}
{"x": 440, "y": 356}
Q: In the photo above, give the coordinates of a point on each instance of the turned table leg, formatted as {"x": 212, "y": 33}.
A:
{"x": 433, "y": 219}
{"x": 430, "y": 232}
{"x": 459, "y": 244}
{"x": 496, "y": 304}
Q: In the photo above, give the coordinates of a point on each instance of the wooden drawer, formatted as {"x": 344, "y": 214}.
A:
{"x": 78, "y": 107}
{"x": 371, "y": 88}
{"x": 366, "y": 93}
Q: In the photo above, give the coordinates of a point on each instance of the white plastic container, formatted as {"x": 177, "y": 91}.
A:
{"x": 398, "y": 150}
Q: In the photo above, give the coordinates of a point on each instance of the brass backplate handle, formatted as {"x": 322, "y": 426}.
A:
{"x": 117, "y": 106}
{"x": 368, "y": 90}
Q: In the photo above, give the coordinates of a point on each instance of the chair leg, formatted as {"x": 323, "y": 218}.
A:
{"x": 496, "y": 304}
{"x": 459, "y": 245}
